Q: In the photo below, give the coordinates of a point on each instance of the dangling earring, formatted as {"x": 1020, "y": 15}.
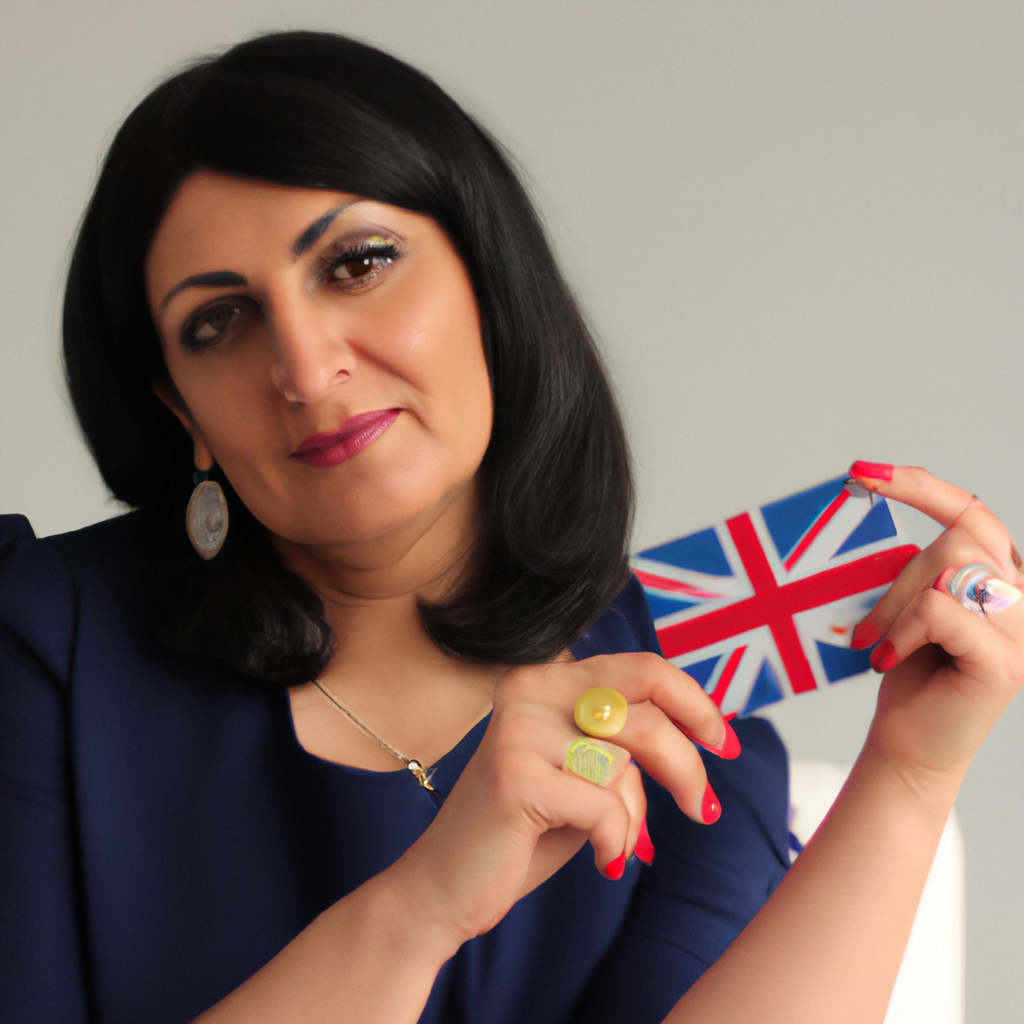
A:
{"x": 206, "y": 520}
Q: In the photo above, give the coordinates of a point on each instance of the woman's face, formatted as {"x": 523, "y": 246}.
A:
{"x": 327, "y": 351}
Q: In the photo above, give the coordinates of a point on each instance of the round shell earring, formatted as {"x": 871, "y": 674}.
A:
{"x": 206, "y": 520}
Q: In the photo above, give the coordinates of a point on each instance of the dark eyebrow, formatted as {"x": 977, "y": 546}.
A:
{"x": 317, "y": 228}
{"x": 213, "y": 279}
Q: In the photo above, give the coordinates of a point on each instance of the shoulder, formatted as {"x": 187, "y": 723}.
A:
{"x": 45, "y": 581}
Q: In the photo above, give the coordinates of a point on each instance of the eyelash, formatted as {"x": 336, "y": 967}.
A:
{"x": 385, "y": 253}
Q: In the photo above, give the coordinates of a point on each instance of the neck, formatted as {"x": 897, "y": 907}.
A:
{"x": 385, "y": 667}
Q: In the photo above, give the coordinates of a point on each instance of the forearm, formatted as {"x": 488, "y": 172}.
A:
{"x": 828, "y": 944}
{"x": 370, "y": 957}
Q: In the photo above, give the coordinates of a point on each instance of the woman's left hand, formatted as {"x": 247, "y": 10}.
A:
{"x": 949, "y": 672}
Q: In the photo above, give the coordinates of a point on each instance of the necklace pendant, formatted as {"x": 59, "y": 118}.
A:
{"x": 421, "y": 774}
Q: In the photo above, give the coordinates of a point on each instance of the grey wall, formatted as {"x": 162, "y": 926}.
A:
{"x": 796, "y": 227}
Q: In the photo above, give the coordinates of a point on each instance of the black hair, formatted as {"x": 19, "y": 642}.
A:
{"x": 322, "y": 111}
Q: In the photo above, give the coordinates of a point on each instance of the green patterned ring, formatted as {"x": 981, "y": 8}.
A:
{"x": 597, "y": 762}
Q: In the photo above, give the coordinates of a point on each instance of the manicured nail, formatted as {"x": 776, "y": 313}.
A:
{"x": 883, "y": 657}
{"x": 871, "y": 471}
{"x": 1015, "y": 555}
{"x": 616, "y": 867}
{"x": 644, "y": 848}
{"x": 730, "y": 747}
{"x": 865, "y": 634}
{"x": 710, "y": 808}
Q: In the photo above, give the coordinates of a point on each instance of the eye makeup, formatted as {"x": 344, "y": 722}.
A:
{"x": 353, "y": 263}
{"x": 213, "y": 322}
{"x": 350, "y": 263}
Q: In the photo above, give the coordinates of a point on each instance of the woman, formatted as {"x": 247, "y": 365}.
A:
{"x": 306, "y": 274}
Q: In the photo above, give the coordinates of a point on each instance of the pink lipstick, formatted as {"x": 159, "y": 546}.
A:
{"x": 356, "y": 433}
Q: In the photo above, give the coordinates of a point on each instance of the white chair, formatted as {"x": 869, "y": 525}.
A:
{"x": 930, "y": 985}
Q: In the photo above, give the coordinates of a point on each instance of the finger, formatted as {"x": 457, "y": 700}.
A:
{"x": 558, "y": 844}
{"x": 601, "y": 813}
{"x": 916, "y": 487}
{"x": 598, "y": 762}
{"x": 977, "y": 536}
{"x": 648, "y": 677}
{"x": 981, "y": 644}
{"x": 670, "y": 759}
{"x": 654, "y": 741}
{"x": 630, "y": 787}
{"x": 979, "y": 589}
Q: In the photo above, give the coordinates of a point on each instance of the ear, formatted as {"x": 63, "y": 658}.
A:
{"x": 202, "y": 458}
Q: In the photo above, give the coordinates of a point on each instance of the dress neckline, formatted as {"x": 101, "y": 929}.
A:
{"x": 458, "y": 754}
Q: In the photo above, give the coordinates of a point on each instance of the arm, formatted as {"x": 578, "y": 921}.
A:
{"x": 828, "y": 944}
{"x": 42, "y": 975}
{"x": 372, "y": 956}
{"x": 704, "y": 886}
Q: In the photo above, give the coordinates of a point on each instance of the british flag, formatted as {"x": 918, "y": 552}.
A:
{"x": 763, "y": 605}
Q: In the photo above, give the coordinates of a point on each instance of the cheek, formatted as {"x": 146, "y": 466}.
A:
{"x": 445, "y": 353}
{"x": 230, "y": 405}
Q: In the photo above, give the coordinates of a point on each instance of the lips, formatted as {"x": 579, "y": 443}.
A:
{"x": 334, "y": 446}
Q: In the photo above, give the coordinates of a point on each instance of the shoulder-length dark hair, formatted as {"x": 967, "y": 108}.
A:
{"x": 322, "y": 111}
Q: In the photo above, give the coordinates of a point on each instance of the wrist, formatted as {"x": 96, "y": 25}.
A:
{"x": 416, "y": 916}
{"x": 923, "y": 784}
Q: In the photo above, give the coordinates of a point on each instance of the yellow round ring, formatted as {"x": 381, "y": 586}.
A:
{"x": 601, "y": 712}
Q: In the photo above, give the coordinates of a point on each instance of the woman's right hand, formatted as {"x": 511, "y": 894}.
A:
{"x": 516, "y": 815}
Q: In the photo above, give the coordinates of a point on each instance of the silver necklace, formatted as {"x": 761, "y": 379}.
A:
{"x": 421, "y": 774}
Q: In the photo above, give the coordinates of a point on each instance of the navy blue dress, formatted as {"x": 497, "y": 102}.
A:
{"x": 163, "y": 834}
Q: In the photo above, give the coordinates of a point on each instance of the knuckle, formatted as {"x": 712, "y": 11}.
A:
{"x": 519, "y": 682}
{"x": 929, "y": 606}
{"x": 646, "y": 663}
{"x": 686, "y": 680}
{"x": 650, "y": 660}
{"x": 960, "y": 548}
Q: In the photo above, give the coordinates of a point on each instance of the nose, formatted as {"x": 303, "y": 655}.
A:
{"x": 311, "y": 354}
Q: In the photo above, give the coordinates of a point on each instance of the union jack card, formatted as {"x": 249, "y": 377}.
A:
{"x": 763, "y": 605}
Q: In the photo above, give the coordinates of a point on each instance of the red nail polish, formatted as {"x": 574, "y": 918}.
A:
{"x": 865, "y": 634}
{"x": 644, "y": 848}
{"x": 710, "y": 808}
{"x": 871, "y": 470}
{"x": 884, "y": 657}
{"x": 616, "y": 867}
{"x": 730, "y": 747}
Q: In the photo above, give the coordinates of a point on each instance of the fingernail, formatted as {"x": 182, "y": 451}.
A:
{"x": 1015, "y": 555}
{"x": 616, "y": 867}
{"x": 871, "y": 470}
{"x": 730, "y": 747}
{"x": 883, "y": 657}
{"x": 710, "y": 808}
{"x": 644, "y": 848}
{"x": 865, "y": 634}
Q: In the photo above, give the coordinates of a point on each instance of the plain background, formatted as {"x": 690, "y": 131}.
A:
{"x": 796, "y": 228}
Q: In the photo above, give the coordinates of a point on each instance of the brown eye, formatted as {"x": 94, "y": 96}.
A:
{"x": 359, "y": 267}
{"x": 360, "y": 264}
{"x": 210, "y": 326}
